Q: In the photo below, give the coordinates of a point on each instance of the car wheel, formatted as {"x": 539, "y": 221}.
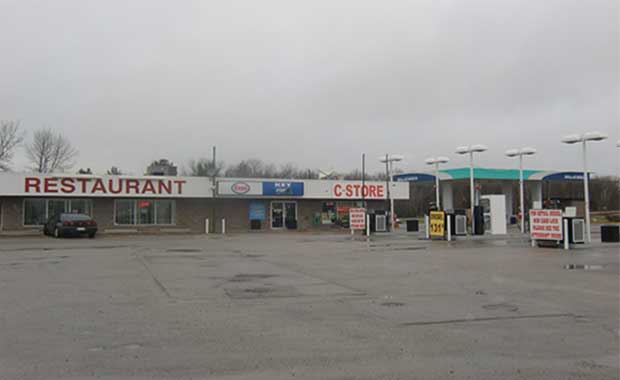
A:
{"x": 92, "y": 235}
{"x": 56, "y": 233}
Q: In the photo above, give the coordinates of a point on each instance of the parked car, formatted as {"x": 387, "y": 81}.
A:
{"x": 67, "y": 224}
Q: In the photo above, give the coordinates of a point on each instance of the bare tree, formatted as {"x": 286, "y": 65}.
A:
{"x": 50, "y": 152}
{"x": 205, "y": 168}
{"x": 10, "y": 138}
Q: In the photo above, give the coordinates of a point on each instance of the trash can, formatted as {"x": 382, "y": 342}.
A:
{"x": 610, "y": 233}
{"x": 412, "y": 225}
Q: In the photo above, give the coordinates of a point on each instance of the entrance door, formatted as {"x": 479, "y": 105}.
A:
{"x": 290, "y": 212}
{"x": 284, "y": 214}
{"x": 277, "y": 215}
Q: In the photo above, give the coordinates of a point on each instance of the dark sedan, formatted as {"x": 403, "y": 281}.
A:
{"x": 70, "y": 225}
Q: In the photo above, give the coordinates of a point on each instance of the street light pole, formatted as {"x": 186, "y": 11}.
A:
{"x": 586, "y": 190}
{"x": 472, "y": 192}
{"x": 520, "y": 153}
{"x": 436, "y": 161}
{"x": 388, "y": 160}
{"x": 583, "y": 139}
{"x": 471, "y": 149}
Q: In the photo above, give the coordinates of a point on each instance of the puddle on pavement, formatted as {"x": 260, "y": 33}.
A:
{"x": 392, "y": 304}
{"x": 248, "y": 277}
{"x": 501, "y": 306}
{"x": 184, "y": 250}
{"x": 584, "y": 267}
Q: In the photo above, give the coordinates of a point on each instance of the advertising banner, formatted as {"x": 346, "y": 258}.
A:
{"x": 357, "y": 218}
{"x": 258, "y": 211}
{"x": 239, "y": 188}
{"x": 283, "y": 189}
{"x": 546, "y": 225}
{"x": 437, "y": 223}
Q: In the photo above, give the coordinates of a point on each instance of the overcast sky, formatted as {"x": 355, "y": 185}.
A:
{"x": 315, "y": 83}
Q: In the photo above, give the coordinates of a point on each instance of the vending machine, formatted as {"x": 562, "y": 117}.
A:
{"x": 494, "y": 209}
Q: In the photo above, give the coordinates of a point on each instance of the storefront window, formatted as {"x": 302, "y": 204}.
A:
{"x": 35, "y": 212}
{"x": 165, "y": 211}
{"x": 55, "y": 206}
{"x": 144, "y": 211}
{"x": 80, "y": 206}
{"x": 38, "y": 211}
{"x": 124, "y": 211}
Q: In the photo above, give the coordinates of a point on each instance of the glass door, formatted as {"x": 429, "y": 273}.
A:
{"x": 290, "y": 215}
{"x": 277, "y": 215}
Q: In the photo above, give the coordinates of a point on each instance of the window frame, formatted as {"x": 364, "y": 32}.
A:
{"x": 67, "y": 204}
{"x": 155, "y": 223}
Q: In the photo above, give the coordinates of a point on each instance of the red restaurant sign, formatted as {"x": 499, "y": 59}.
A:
{"x": 71, "y": 185}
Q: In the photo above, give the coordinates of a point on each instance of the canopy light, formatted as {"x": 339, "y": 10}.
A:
{"x": 527, "y": 151}
{"x": 472, "y": 148}
{"x": 438, "y": 160}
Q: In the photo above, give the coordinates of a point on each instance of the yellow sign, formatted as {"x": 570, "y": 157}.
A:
{"x": 438, "y": 223}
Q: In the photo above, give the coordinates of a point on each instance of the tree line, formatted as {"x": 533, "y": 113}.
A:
{"x": 49, "y": 151}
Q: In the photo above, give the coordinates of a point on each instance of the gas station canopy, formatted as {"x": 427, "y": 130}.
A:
{"x": 492, "y": 174}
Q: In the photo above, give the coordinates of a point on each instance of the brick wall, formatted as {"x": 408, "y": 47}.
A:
{"x": 190, "y": 214}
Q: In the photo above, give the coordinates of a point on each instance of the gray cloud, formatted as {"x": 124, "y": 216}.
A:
{"x": 314, "y": 83}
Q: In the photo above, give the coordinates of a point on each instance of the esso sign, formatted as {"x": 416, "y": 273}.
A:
{"x": 357, "y": 191}
{"x": 240, "y": 188}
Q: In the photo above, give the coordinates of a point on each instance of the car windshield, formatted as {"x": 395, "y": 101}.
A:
{"x": 74, "y": 217}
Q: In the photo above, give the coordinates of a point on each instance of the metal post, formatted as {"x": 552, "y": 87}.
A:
{"x": 427, "y": 227}
{"x": 586, "y": 192}
{"x": 437, "y": 201}
{"x": 449, "y": 227}
{"x": 214, "y": 184}
{"x": 207, "y": 226}
{"x": 472, "y": 191}
{"x": 392, "y": 219}
{"x": 223, "y": 226}
{"x": 521, "y": 194}
{"x": 566, "y": 238}
{"x": 387, "y": 172}
{"x": 367, "y": 225}
{"x": 363, "y": 179}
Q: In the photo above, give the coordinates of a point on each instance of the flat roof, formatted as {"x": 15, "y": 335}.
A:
{"x": 492, "y": 174}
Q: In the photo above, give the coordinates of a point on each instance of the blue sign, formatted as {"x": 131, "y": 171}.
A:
{"x": 258, "y": 211}
{"x": 565, "y": 176}
{"x": 414, "y": 177}
{"x": 283, "y": 189}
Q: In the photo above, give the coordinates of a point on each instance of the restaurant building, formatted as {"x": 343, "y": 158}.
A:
{"x": 158, "y": 204}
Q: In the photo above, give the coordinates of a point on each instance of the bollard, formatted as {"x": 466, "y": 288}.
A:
{"x": 533, "y": 243}
{"x": 449, "y": 228}
{"x": 223, "y": 226}
{"x": 207, "y": 226}
{"x": 367, "y": 225}
{"x": 566, "y": 240}
{"x": 427, "y": 227}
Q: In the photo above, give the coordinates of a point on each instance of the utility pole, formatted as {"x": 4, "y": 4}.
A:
{"x": 214, "y": 186}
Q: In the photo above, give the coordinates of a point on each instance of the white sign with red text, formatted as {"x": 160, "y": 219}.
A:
{"x": 15, "y": 184}
{"x": 546, "y": 225}
{"x": 326, "y": 189}
{"x": 357, "y": 218}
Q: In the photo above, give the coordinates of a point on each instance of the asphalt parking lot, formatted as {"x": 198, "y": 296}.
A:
{"x": 305, "y": 306}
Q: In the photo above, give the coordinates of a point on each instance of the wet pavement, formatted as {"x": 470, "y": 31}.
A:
{"x": 309, "y": 306}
